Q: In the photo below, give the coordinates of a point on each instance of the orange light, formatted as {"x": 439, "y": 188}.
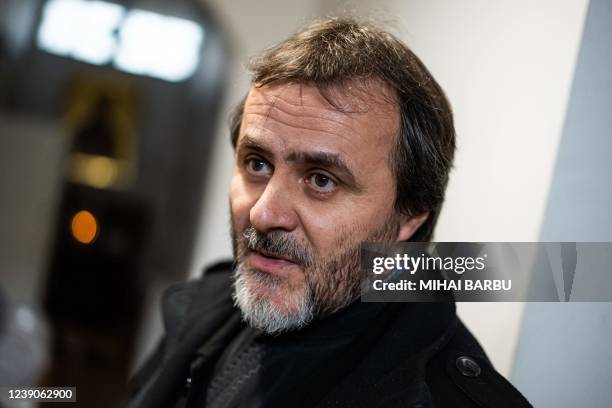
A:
{"x": 84, "y": 227}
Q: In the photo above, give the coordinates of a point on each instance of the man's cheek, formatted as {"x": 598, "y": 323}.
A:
{"x": 329, "y": 232}
{"x": 236, "y": 188}
{"x": 241, "y": 201}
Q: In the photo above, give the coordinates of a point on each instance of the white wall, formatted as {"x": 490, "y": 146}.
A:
{"x": 555, "y": 337}
{"x": 506, "y": 66}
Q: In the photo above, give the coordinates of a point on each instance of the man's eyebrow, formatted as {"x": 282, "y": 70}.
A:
{"x": 248, "y": 142}
{"x": 330, "y": 161}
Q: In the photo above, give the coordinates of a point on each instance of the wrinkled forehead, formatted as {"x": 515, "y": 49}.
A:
{"x": 351, "y": 97}
{"x": 362, "y": 112}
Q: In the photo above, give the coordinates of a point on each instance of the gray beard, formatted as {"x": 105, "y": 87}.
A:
{"x": 329, "y": 286}
{"x": 260, "y": 313}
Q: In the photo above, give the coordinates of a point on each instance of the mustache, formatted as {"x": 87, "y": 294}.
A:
{"x": 278, "y": 244}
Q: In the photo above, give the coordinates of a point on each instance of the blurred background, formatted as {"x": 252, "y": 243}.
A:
{"x": 115, "y": 165}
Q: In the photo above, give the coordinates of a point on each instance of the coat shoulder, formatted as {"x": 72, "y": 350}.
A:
{"x": 460, "y": 375}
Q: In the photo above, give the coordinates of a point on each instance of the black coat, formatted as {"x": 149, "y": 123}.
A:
{"x": 420, "y": 356}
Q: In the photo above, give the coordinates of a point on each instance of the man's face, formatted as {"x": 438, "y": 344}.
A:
{"x": 310, "y": 184}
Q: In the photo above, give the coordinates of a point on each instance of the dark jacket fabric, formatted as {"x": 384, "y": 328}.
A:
{"x": 415, "y": 355}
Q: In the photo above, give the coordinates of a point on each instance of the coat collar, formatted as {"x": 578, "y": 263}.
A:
{"x": 192, "y": 311}
{"x": 396, "y": 358}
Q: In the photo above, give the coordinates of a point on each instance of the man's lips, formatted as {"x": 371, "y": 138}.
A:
{"x": 271, "y": 255}
{"x": 266, "y": 262}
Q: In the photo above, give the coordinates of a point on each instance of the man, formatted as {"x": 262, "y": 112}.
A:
{"x": 344, "y": 137}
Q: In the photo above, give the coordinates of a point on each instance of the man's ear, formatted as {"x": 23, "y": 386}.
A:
{"x": 409, "y": 225}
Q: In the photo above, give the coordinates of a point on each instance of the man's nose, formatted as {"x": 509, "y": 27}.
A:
{"x": 275, "y": 207}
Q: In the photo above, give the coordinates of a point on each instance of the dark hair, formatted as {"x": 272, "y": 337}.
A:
{"x": 336, "y": 50}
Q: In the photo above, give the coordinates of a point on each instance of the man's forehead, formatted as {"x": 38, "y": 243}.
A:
{"x": 349, "y": 97}
{"x": 307, "y": 96}
{"x": 344, "y": 114}
{"x": 294, "y": 105}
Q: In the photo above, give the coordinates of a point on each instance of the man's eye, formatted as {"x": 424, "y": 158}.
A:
{"x": 258, "y": 167}
{"x": 321, "y": 183}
